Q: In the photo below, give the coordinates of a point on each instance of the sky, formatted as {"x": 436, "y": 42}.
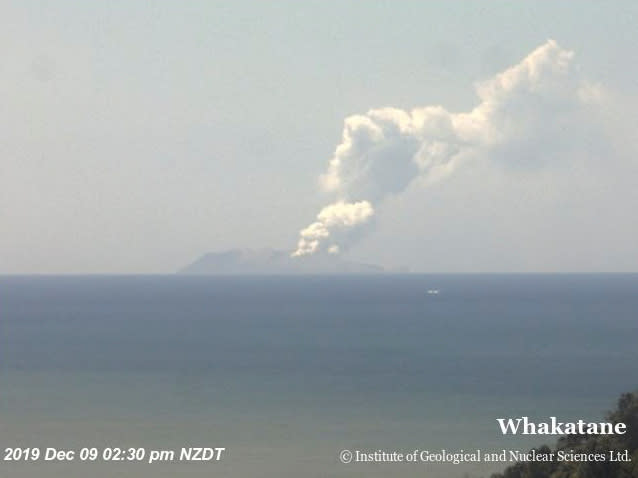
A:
{"x": 137, "y": 135}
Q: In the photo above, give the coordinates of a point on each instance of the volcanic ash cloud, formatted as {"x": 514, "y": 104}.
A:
{"x": 526, "y": 113}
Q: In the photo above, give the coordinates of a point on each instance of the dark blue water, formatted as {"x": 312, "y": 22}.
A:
{"x": 290, "y": 370}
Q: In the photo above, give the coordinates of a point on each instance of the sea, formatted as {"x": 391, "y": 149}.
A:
{"x": 286, "y": 373}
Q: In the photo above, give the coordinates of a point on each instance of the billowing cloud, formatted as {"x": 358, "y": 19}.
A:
{"x": 529, "y": 113}
{"x": 332, "y": 222}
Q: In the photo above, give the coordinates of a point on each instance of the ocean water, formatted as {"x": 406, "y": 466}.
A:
{"x": 285, "y": 372}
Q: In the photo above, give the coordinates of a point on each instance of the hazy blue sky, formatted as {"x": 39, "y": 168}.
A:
{"x": 135, "y": 136}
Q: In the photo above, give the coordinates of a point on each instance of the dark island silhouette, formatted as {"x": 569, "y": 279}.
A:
{"x": 274, "y": 262}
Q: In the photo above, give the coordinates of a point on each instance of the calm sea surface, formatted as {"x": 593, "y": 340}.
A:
{"x": 286, "y": 372}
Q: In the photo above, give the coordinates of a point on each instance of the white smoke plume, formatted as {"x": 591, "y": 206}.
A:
{"x": 528, "y": 113}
